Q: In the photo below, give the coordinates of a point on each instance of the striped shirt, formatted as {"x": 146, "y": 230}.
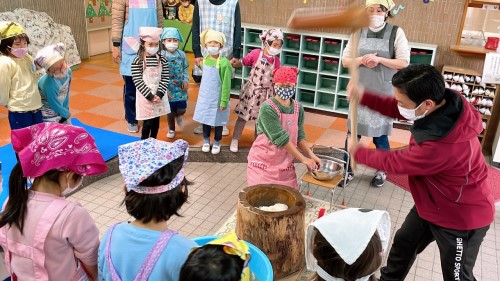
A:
{"x": 138, "y": 69}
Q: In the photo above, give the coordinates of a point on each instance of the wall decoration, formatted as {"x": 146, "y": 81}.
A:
{"x": 90, "y": 13}
{"x": 103, "y": 12}
{"x": 398, "y": 9}
{"x": 98, "y": 13}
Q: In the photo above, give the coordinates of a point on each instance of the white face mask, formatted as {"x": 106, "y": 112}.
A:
{"x": 70, "y": 190}
{"x": 376, "y": 21}
{"x": 213, "y": 50}
{"x": 152, "y": 50}
{"x": 172, "y": 46}
{"x": 62, "y": 75}
{"x": 410, "y": 114}
{"x": 273, "y": 51}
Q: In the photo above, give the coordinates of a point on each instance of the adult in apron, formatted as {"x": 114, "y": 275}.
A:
{"x": 150, "y": 261}
{"x": 140, "y": 13}
{"x": 269, "y": 164}
{"x": 147, "y": 110}
{"x": 207, "y": 106}
{"x": 36, "y": 251}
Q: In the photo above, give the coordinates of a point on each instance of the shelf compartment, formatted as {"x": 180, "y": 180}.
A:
{"x": 238, "y": 72}
{"x": 290, "y": 59}
{"x": 236, "y": 84}
{"x": 305, "y": 97}
{"x": 325, "y": 100}
{"x": 327, "y": 84}
{"x": 253, "y": 36}
{"x": 310, "y": 62}
{"x": 420, "y": 56}
{"x": 311, "y": 44}
{"x": 329, "y": 65}
{"x": 343, "y": 84}
{"x": 332, "y": 46}
{"x": 307, "y": 80}
{"x": 342, "y": 104}
{"x": 291, "y": 42}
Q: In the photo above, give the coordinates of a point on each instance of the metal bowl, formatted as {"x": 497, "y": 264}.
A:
{"x": 329, "y": 170}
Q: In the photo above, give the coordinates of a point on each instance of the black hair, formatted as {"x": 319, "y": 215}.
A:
{"x": 6, "y": 44}
{"x": 330, "y": 261}
{"x": 386, "y": 10}
{"x": 211, "y": 263}
{"x": 17, "y": 205}
{"x": 162, "y": 206}
{"x": 420, "y": 82}
{"x": 142, "y": 50}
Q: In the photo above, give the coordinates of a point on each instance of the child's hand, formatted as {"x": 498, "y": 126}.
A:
{"x": 156, "y": 99}
{"x": 170, "y": 96}
{"x": 221, "y": 108}
{"x": 197, "y": 61}
{"x": 185, "y": 86}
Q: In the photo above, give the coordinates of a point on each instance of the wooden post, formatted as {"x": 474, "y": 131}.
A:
{"x": 280, "y": 235}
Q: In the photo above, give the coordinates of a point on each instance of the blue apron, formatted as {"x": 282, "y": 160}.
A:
{"x": 207, "y": 107}
{"x": 140, "y": 13}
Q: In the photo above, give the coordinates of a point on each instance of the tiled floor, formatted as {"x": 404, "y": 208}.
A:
{"x": 96, "y": 100}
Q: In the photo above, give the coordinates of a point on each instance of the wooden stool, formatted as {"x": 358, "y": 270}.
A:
{"x": 307, "y": 178}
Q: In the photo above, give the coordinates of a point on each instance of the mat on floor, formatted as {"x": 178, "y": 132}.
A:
{"x": 493, "y": 181}
{"x": 106, "y": 141}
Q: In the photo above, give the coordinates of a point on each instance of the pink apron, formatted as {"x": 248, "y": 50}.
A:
{"x": 256, "y": 90}
{"x": 269, "y": 164}
{"x": 146, "y": 109}
{"x": 150, "y": 261}
{"x": 36, "y": 252}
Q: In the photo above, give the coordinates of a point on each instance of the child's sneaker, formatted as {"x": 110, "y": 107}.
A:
{"x": 179, "y": 120}
{"x": 215, "y": 148}
{"x": 349, "y": 178}
{"x": 234, "y": 146}
{"x": 171, "y": 134}
{"x": 225, "y": 131}
{"x": 379, "y": 179}
{"x": 205, "y": 147}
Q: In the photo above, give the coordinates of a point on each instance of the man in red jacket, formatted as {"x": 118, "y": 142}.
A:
{"x": 446, "y": 171}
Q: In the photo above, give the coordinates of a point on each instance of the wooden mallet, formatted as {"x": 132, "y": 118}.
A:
{"x": 354, "y": 18}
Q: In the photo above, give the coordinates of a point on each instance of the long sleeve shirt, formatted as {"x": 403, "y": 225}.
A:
{"x": 138, "y": 66}
{"x": 269, "y": 123}
{"x": 253, "y": 56}
{"x": 186, "y": 13}
{"x": 225, "y": 72}
{"x": 236, "y": 31}
{"x": 55, "y": 98}
{"x": 18, "y": 84}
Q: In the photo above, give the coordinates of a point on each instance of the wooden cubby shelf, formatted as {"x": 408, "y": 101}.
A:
{"x": 322, "y": 80}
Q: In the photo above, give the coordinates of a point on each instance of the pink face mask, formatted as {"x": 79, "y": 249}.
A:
{"x": 19, "y": 52}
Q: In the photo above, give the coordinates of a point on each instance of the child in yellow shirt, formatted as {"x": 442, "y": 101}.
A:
{"x": 186, "y": 11}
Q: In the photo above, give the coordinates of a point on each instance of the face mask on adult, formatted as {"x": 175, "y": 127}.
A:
{"x": 152, "y": 50}
{"x": 213, "y": 50}
{"x": 70, "y": 190}
{"x": 284, "y": 93}
{"x": 18, "y": 52}
{"x": 377, "y": 21}
{"x": 409, "y": 114}
{"x": 171, "y": 46}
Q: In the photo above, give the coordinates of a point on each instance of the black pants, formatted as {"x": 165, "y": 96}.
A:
{"x": 150, "y": 128}
{"x": 218, "y": 132}
{"x": 171, "y": 118}
{"x": 458, "y": 249}
{"x": 129, "y": 92}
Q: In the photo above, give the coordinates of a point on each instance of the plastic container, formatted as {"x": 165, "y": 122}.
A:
{"x": 259, "y": 263}
{"x": 327, "y": 82}
{"x": 292, "y": 41}
{"x": 330, "y": 64}
{"x": 308, "y": 79}
{"x": 332, "y": 46}
{"x": 312, "y": 44}
{"x": 290, "y": 59}
{"x": 310, "y": 62}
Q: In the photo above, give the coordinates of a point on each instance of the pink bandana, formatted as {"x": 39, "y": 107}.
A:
{"x": 285, "y": 74}
{"x": 54, "y": 146}
{"x": 138, "y": 160}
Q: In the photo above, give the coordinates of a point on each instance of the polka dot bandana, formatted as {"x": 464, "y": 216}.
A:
{"x": 285, "y": 74}
{"x": 54, "y": 146}
{"x": 138, "y": 160}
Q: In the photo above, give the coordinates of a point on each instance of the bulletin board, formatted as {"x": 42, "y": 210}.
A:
{"x": 98, "y": 14}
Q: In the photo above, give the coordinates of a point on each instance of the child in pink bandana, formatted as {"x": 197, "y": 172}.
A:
{"x": 44, "y": 236}
{"x": 280, "y": 131}
{"x": 155, "y": 189}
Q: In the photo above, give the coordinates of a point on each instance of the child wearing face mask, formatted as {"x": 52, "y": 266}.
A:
{"x": 280, "y": 130}
{"x": 383, "y": 49}
{"x": 150, "y": 73}
{"x": 179, "y": 77}
{"x": 186, "y": 10}
{"x": 45, "y": 236}
{"x": 19, "y": 91}
{"x": 54, "y": 84}
{"x": 212, "y": 106}
{"x": 259, "y": 85}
